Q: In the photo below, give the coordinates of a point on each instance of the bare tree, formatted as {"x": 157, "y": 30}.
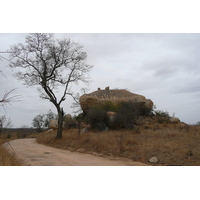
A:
{"x": 42, "y": 120}
{"x": 50, "y": 63}
{"x": 5, "y": 123}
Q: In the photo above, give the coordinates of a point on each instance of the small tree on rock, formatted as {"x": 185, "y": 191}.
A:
{"x": 51, "y": 64}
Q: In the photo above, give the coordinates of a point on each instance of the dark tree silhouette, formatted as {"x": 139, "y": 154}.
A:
{"x": 52, "y": 64}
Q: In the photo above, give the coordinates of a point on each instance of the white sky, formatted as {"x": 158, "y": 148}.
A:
{"x": 162, "y": 67}
{"x": 157, "y": 64}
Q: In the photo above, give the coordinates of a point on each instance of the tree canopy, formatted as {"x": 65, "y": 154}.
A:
{"x": 50, "y": 63}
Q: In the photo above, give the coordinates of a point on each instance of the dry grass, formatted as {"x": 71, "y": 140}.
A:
{"x": 172, "y": 144}
{"x": 7, "y": 158}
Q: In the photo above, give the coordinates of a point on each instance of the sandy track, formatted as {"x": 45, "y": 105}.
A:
{"x": 33, "y": 154}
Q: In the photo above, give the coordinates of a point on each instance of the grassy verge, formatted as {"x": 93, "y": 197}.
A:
{"x": 171, "y": 144}
{"x": 7, "y": 158}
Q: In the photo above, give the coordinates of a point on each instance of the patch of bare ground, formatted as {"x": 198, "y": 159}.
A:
{"x": 172, "y": 144}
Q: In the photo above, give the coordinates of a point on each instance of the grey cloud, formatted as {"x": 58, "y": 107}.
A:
{"x": 163, "y": 67}
{"x": 187, "y": 89}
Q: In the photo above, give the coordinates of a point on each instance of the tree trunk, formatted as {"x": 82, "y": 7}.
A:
{"x": 60, "y": 123}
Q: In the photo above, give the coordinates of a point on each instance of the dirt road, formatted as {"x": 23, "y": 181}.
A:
{"x": 33, "y": 154}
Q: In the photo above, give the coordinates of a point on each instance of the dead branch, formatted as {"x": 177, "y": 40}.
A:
{"x": 8, "y": 97}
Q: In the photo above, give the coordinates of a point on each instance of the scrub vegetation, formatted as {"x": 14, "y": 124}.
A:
{"x": 172, "y": 144}
{"x": 7, "y": 158}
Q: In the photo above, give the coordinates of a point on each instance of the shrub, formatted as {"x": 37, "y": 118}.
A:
{"x": 110, "y": 106}
{"x": 161, "y": 113}
{"x": 70, "y": 123}
{"x": 161, "y": 116}
{"x": 129, "y": 111}
{"x": 97, "y": 118}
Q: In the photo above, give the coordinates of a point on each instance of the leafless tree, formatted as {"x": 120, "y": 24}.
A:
{"x": 5, "y": 123}
{"x": 52, "y": 64}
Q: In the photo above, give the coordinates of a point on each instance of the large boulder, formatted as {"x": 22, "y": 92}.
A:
{"x": 68, "y": 116}
{"x": 53, "y": 124}
{"x": 116, "y": 96}
{"x": 70, "y": 122}
{"x": 174, "y": 120}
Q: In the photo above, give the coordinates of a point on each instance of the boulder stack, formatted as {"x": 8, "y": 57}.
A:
{"x": 116, "y": 96}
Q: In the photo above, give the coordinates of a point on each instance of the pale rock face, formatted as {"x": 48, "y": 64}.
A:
{"x": 174, "y": 119}
{"x": 53, "y": 124}
{"x": 67, "y": 116}
{"x": 115, "y": 96}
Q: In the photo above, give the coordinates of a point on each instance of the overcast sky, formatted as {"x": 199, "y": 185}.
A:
{"x": 163, "y": 67}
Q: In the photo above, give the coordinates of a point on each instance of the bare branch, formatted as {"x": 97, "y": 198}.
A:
{"x": 3, "y": 74}
{"x": 51, "y": 64}
{"x": 9, "y": 97}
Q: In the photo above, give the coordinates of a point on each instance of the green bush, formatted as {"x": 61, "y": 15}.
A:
{"x": 110, "y": 106}
{"x": 128, "y": 112}
{"x": 97, "y": 118}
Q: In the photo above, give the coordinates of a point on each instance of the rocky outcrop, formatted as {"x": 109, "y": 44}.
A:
{"x": 115, "y": 96}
